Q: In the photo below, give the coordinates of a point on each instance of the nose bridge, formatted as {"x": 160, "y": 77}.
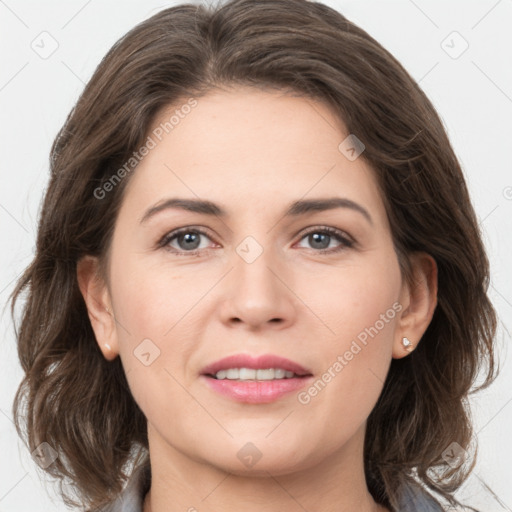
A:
{"x": 257, "y": 290}
{"x": 253, "y": 267}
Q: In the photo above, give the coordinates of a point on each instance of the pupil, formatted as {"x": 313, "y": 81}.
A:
{"x": 188, "y": 237}
{"x": 316, "y": 236}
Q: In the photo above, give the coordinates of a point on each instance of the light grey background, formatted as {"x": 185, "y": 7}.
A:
{"x": 472, "y": 91}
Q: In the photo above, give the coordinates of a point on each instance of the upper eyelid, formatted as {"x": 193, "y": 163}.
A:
{"x": 331, "y": 230}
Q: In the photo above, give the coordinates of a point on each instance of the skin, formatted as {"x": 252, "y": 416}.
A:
{"x": 253, "y": 152}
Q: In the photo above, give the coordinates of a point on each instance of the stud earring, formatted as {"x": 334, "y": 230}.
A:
{"x": 108, "y": 352}
{"x": 407, "y": 344}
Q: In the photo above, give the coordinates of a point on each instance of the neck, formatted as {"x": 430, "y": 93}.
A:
{"x": 262, "y": 496}
{"x": 179, "y": 483}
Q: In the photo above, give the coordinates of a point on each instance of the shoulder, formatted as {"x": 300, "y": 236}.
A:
{"x": 415, "y": 499}
{"x": 131, "y": 498}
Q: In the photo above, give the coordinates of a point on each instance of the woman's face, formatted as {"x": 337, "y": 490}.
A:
{"x": 263, "y": 278}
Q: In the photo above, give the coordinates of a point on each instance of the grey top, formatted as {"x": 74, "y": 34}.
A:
{"x": 414, "y": 499}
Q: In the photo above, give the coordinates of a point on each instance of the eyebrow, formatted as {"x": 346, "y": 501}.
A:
{"x": 295, "y": 209}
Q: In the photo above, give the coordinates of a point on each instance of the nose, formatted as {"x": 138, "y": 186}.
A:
{"x": 258, "y": 294}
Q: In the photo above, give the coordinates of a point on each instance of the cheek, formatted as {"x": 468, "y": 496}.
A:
{"x": 150, "y": 298}
{"x": 356, "y": 297}
{"x": 361, "y": 310}
{"x": 151, "y": 312}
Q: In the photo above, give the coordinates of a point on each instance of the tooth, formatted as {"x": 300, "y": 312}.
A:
{"x": 252, "y": 374}
{"x": 267, "y": 374}
{"x": 247, "y": 373}
{"x": 232, "y": 373}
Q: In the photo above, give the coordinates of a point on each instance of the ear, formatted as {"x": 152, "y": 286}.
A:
{"x": 97, "y": 300}
{"x": 419, "y": 301}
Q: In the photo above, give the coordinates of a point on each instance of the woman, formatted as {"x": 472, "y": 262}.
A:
{"x": 315, "y": 346}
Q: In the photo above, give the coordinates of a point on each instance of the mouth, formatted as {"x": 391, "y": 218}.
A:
{"x": 248, "y": 379}
{"x": 261, "y": 374}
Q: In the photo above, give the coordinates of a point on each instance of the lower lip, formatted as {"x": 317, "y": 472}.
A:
{"x": 256, "y": 392}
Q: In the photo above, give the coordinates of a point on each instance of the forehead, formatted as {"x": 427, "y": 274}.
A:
{"x": 250, "y": 150}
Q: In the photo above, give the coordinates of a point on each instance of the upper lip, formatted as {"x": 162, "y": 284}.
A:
{"x": 255, "y": 362}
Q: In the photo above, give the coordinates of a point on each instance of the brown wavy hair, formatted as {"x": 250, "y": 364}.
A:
{"x": 81, "y": 405}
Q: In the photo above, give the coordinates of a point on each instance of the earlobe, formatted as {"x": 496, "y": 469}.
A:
{"x": 97, "y": 300}
{"x": 420, "y": 297}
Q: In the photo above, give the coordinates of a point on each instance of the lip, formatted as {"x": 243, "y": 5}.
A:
{"x": 252, "y": 391}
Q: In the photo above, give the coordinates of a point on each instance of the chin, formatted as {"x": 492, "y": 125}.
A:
{"x": 262, "y": 468}
{"x": 261, "y": 457}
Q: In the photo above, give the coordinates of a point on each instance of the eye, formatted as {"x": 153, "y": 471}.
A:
{"x": 321, "y": 237}
{"x": 187, "y": 240}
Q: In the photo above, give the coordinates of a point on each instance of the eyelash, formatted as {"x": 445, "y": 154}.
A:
{"x": 346, "y": 242}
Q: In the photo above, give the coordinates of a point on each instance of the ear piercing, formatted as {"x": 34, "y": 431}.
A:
{"x": 407, "y": 344}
